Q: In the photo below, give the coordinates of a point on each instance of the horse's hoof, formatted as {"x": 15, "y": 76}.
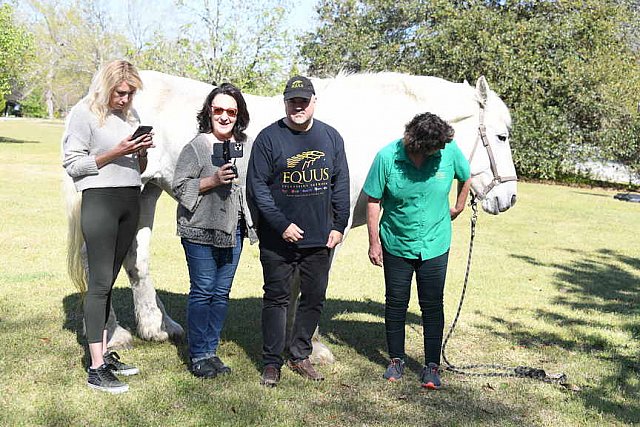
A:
{"x": 321, "y": 355}
{"x": 152, "y": 334}
{"x": 120, "y": 340}
{"x": 173, "y": 328}
{"x": 150, "y": 324}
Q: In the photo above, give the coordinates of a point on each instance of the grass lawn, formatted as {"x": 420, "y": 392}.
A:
{"x": 554, "y": 284}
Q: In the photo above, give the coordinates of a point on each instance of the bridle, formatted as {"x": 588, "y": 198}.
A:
{"x": 489, "y": 370}
{"x": 482, "y": 136}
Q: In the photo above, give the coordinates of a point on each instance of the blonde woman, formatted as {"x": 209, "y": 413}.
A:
{"x": 105, "y": 164}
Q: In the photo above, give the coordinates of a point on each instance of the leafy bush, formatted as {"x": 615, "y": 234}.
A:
{"x": 567, "y": 70}
{"x": 33, "y": 105}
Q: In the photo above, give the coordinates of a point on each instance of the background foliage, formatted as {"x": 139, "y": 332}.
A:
{"x": 567, "y": 69}
{"x": 15, "y": 51}
{"x": 246, "y": 43}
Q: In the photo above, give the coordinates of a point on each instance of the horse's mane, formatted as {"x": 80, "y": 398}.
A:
{"x": 452, "y": 101}
{"x": 448, "y": 99}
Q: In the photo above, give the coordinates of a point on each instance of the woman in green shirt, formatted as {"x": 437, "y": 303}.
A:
{"x": 409, "y": 181}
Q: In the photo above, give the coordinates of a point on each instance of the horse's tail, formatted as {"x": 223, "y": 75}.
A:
{"x": 75, "y": 240}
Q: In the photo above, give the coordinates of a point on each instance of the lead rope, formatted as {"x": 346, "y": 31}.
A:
{"x": 496, "y": 370}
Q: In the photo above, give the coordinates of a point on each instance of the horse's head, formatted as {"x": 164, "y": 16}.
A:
{"x": 492, "y": 170}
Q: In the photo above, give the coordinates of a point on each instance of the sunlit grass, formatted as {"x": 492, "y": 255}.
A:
{"x": 554, "y": 284}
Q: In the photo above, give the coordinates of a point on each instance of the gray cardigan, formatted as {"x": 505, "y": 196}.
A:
{"x": 210, "y": 217}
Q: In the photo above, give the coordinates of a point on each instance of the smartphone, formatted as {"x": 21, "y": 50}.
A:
{"x": 234, "y": 149}
{"x": 142, "y": 130}
{"x": 217, "y": 158}
{"x": 228, "y": 150}
{"x": 224, "y": 152}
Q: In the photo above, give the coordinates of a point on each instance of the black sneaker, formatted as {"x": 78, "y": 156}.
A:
{"x": 430, "y": 378}
{"x": 203, "y": 369}
{"x": 219, "y": 366}
{"x": 103, "y": 379}
{"x": 394, "y": 370}
{"x": 112, "y": 360}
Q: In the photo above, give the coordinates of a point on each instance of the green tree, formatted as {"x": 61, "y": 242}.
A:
{"x": 15, "y": 51}
{"x": 72, "y": 40}
{"x": 356, "y": 35}
{"x": 246, "y": 43}
{"x": 568, "y": 70}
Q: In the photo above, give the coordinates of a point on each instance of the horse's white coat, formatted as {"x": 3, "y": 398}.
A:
{"x": 369, "y": 110}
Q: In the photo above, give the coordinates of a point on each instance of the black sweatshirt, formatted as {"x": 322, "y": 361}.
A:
{"x": 301, "y": 178}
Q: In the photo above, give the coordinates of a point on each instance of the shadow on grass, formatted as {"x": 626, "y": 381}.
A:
{"x": 243, "y": 324}
{"x": 592, "y": 194}
{"x": 345, "y": 404}
{"x": 6, "y": 140}
{"x": 599, "y": 282}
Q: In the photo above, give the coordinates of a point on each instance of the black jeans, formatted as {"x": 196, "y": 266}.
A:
{"x": 109, "y": 220}
{"x": 278, "y": 266}
{"x": 430, "y": 278}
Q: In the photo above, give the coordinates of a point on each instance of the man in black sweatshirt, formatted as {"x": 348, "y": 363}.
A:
{"x": 298, "y": 185}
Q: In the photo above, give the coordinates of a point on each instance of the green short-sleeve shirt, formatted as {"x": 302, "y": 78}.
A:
{"x": 415, "y": 222}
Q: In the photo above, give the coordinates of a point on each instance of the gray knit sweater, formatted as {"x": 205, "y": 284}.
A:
{"x": 84, "y": 139}
{"x": 212, "y": 217}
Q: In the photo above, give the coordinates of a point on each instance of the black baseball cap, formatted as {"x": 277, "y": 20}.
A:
{"x": 298, "y": 87}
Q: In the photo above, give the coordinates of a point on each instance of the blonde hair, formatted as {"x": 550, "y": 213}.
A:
{"x": 104, "y": 83}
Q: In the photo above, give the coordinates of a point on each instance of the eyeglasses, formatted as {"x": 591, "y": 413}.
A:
{"x": 218, "y": 111}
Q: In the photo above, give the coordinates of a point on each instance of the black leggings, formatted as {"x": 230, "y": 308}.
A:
{"x": 109, "y": 221}
{"x": 430, "y": 278}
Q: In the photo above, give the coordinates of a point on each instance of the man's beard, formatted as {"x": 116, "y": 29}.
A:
{"x": 300, "y": 120}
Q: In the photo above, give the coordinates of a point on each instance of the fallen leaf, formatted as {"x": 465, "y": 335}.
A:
{"x": 488, "y": 386}
{"x": 571, "y": 387}
{"x": 45, "y": 340}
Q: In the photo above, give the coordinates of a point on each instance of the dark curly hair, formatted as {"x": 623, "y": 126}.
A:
{"x": 242, "y": 120}
{"x": 425, "y": 133}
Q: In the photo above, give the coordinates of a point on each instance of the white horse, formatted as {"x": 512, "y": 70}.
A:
{"x": 369, "y": 110}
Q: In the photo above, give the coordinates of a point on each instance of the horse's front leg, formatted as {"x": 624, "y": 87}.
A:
{"x": 153, "y": 321}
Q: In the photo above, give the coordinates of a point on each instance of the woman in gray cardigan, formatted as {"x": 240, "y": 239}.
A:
{"x": 213, "y": 218}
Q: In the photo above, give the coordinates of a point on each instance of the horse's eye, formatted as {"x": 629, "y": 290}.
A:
{"x": 502, "y": 138}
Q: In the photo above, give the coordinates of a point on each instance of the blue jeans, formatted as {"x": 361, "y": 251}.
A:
{"x": 211, "y": 272}
{"x": 430, "y": 277}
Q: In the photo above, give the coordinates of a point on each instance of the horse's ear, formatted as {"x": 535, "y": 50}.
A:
{"x": 482, "y": 89}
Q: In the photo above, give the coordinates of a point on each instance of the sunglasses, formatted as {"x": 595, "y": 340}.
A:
{"x": 218, "y": 111}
